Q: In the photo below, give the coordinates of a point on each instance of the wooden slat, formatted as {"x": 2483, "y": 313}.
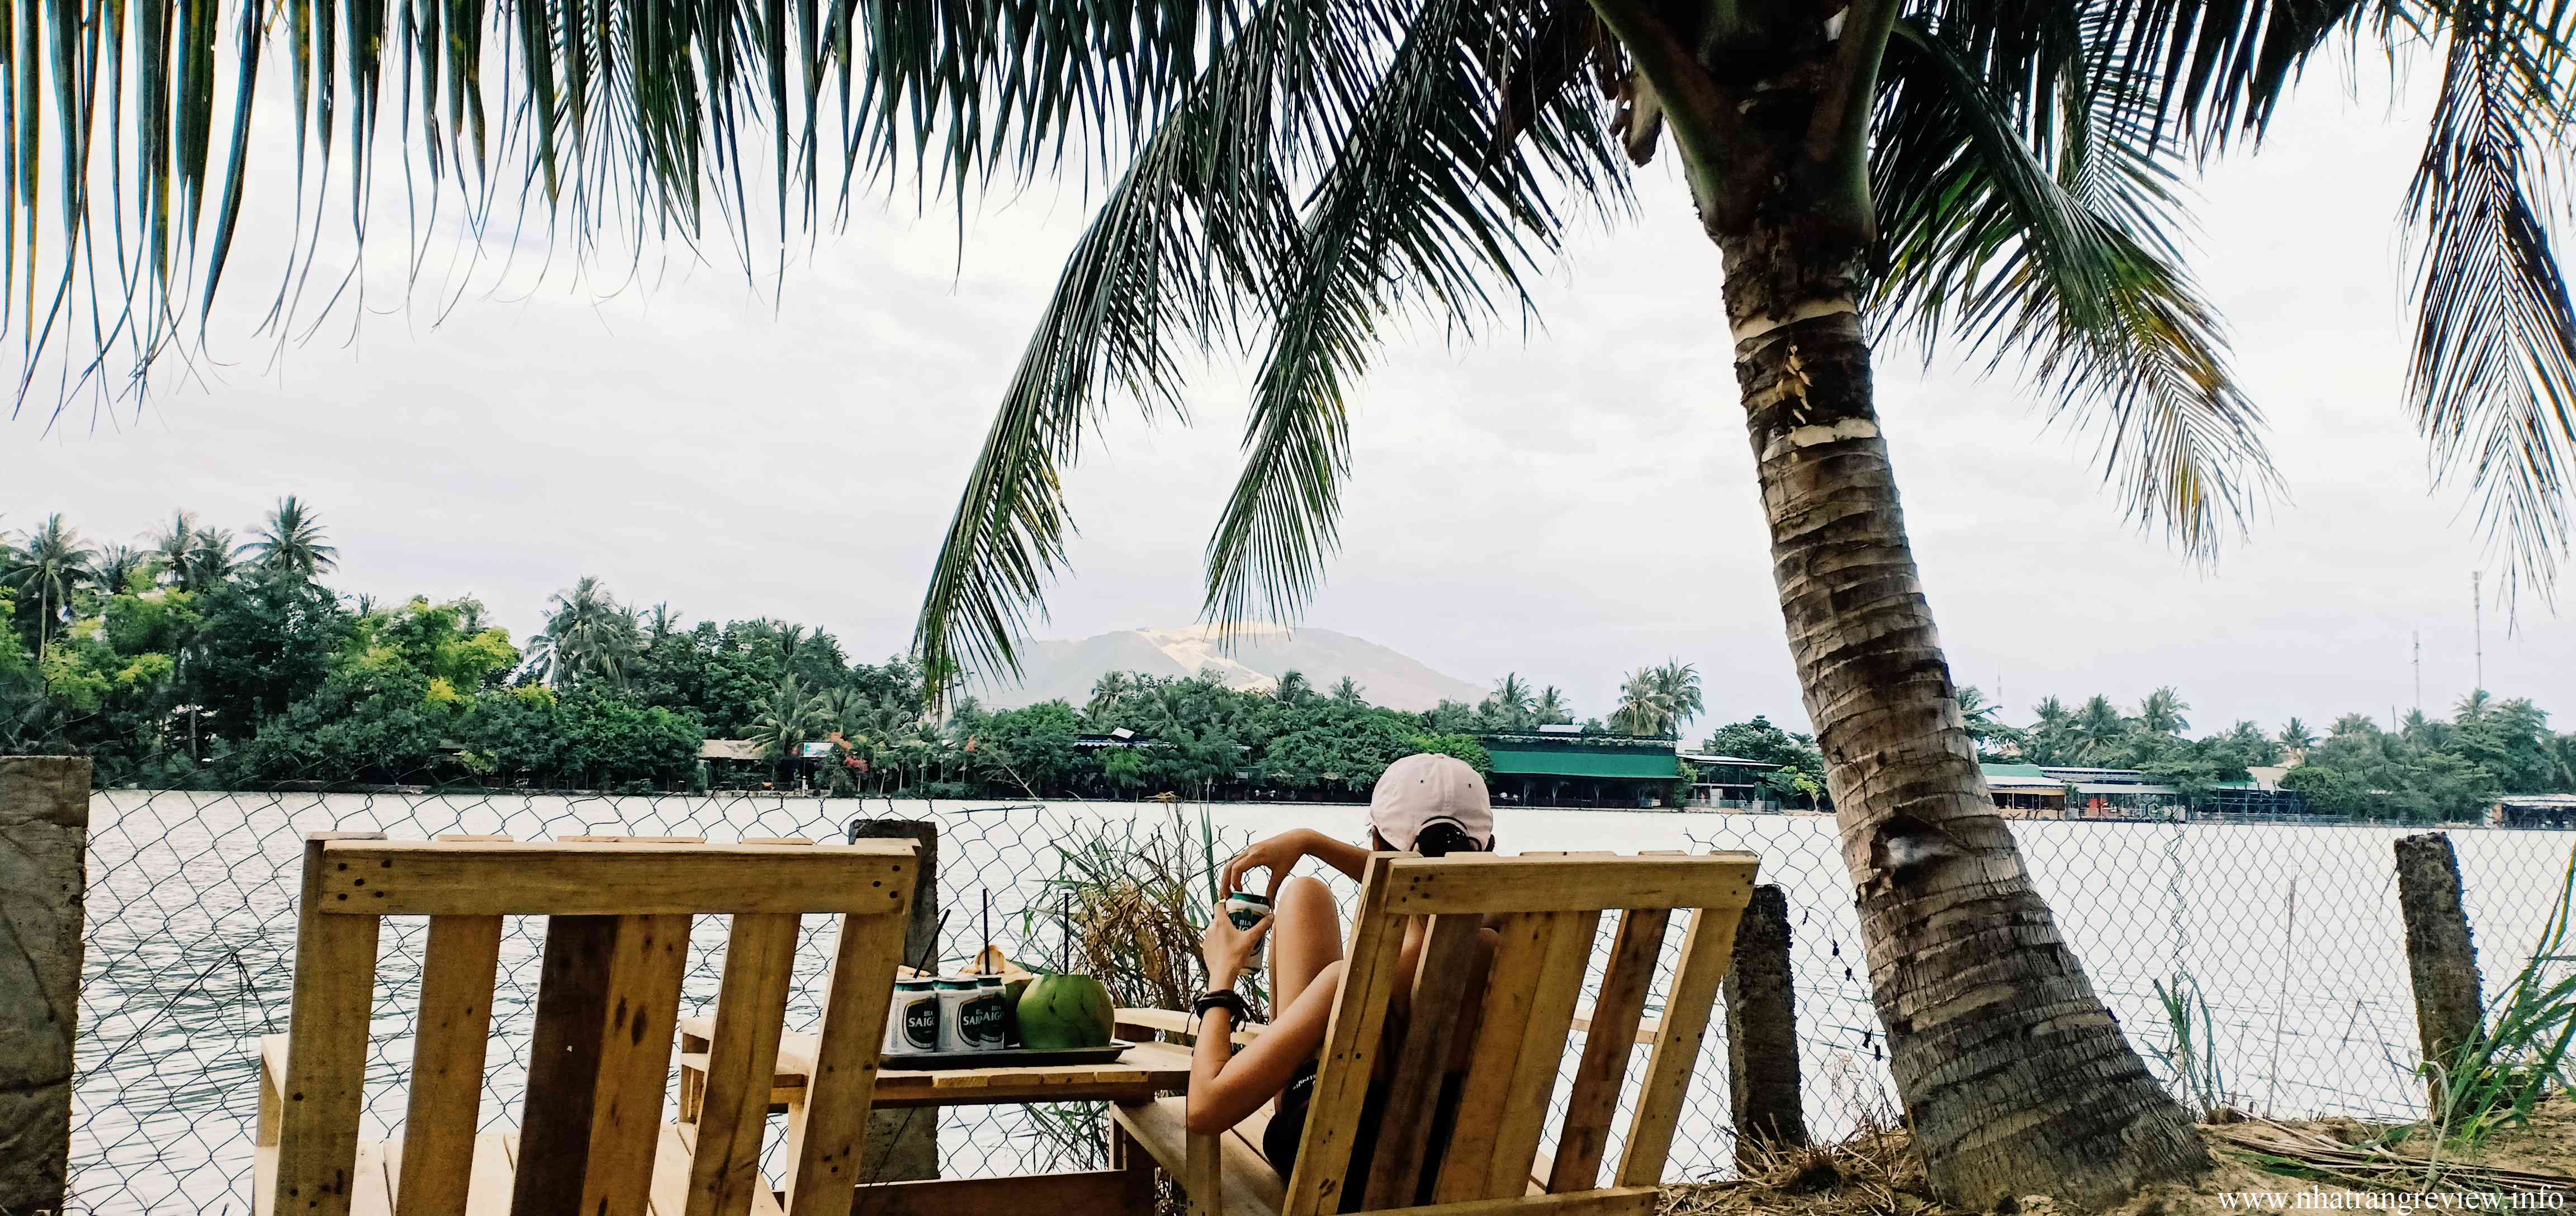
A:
{"x": 1248, "y": 1185}
{"x": 422, "y": 878}
{"x": 496, "y": 1156}
{"x": 1594, "y": 1099}
{"x": 1085, "y": 1193}
{"x": 1352, "y": 1038}
{"x": 563, "y": 1065}
{"x": 371, "y": 1188}
{"x": 777, "y": 840}
{"x": 1425, "y": 886}
{"x": 751, "y": 1008}
{"x": 1627, "y": 1201}
{"x": 1559, "y": 986}
{"x": 599, "y": 839}
{"x": 1447, "y": 964}
{"x": 1485, "y": 1093}
{"x": 1707, "y": 952}
{"x": 824, "y": 1169}
{"x": 326, "y": 1054}
{"x": 457, "y": 968}
{"x": 473, "y": 837}
{"x": 643, "y": 1001}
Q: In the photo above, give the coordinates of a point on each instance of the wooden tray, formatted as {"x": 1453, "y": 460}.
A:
{"x": 1008, "y": 1057}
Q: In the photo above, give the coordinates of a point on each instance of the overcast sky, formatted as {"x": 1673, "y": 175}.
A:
{"x": 1568, "y": 502}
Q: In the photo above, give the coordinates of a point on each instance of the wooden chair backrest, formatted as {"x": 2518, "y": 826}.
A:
{"x": 616, "y": 948}
{"x": 1547, "y": 909}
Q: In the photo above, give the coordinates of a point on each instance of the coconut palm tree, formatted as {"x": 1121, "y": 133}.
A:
{"x": 788, "y": 720}
{"x": 173, "y": 545}
{"x": 1994, "y": 172}
{"x": 118, "y": 564}
{"x": 1293, "y": 688}
{"x": 49, "y": 564}
{"x": 1551, "y": 709}
{"x": 1511, "y": 706}
{"x": 1110, "y": 691}
{"x": 289, "y": 542}
{"x": 1678, "y": 684}
{"x": 587, "y": 636}
{"x": 1348, "y": 691}
{"x": 2161, "y": 713}
{"x": 2295, "y": 739}
{"x": 2100, "y": 731}
{"x": 210, "y": 559}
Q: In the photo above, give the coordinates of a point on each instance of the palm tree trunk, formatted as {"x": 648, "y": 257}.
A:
{"x": 2016, "y": 1077}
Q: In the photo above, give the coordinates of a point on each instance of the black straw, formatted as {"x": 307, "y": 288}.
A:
{"x": 1064, "y": 963}
{"x": 983, "y": 959}
{"x": 930, "y": 949}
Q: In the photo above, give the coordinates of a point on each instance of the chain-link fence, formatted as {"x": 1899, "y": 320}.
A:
{"x": 2290, "y": 937}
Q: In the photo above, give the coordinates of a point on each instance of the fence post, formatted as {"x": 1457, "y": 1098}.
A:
{"x": 44, "y": 832}
{"x": 1762, "y": 1030}
{"x": 903, "y": 1145}
{"x": 2441, "y": 955}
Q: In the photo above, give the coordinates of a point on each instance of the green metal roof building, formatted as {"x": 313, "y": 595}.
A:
{"x": 1565, "y": 769}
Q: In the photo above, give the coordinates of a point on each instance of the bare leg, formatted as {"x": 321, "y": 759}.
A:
{"x": 1305, "y": 938}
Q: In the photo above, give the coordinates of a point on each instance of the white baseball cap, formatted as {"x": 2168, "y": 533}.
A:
{"x": 1426, "y": 788}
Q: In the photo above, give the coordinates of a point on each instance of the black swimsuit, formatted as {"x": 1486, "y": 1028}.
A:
{"x": 1288, "y": 1127}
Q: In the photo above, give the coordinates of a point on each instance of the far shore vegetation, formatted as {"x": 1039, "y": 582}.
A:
{"x": 202, "y": 657}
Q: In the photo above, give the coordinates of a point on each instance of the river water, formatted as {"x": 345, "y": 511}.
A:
{"x": 2289, "y": 934}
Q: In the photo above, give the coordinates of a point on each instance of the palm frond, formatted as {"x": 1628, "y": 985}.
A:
{"x": 126, "y": 143}
{"x": 1414, "y": 199}
{"x": 1202, "y": 211}
{"x": 2493, "y": 377}
{"x": 1436, "y": 198}
{"x": 2041, "y": 228}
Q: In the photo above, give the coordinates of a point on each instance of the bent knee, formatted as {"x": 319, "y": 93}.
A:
{"x": 1302, "y": 891}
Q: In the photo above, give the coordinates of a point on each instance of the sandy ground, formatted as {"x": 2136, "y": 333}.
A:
{"x": 1876, "y": 1174}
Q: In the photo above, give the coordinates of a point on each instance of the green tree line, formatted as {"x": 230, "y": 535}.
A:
{"x": 202, "y": 657}
{"x": 2423, "y": 769}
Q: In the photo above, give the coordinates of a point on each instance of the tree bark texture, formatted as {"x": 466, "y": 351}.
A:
{"x": 2017, "y": 1079}
{"x": 1762, "y": 1031}
{"x": 2441, "y": 954}
{"x": 44, "y": 836}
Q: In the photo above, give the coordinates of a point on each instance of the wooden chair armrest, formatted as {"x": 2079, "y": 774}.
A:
{"x": 1175, "y": 1025}
{"x": 272, "y": 1069}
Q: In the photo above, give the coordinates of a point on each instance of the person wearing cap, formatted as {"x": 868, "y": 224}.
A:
{"x": 1426, "y": 804}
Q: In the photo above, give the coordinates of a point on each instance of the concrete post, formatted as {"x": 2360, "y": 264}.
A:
{"x": 903, "y": 1145}
{"x": 1762, "y": 1030}
{"x": 2441, "y": 955}
{"x": 44, "y": 834}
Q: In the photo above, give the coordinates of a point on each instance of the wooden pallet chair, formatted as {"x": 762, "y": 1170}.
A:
{"x": 591, "y": 1137}
{"x": 1547, "y": 909}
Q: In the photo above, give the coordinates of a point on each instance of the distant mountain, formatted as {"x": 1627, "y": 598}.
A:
{"x": 1261, "y": 653}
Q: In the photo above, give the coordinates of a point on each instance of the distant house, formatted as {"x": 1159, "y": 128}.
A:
{"x": 1727, "y": 779}
{"x": 2054, "y": 791}
{"x": 2023, "y": 791}
{"x": 1561, "y": 768}
{"x": 2533, "y": 811}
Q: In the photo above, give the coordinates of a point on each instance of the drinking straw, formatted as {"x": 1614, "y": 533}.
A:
{"x": 982, "y": 957}
{"x": 1064, "y": 963}
{"x": 930, "y": 949}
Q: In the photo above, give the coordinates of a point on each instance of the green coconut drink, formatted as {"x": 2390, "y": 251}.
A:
{"x": 1059, "y": 1011}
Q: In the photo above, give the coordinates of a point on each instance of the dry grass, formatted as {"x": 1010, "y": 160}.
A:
{"x": 1875, "y": 1173}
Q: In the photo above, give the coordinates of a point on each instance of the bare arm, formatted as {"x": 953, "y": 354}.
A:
{"x": 1280, "y": 854}
{"x": 1227, "y": 1085}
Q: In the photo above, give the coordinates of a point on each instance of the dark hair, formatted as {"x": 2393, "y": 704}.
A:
{"x": 1443, "y": 838}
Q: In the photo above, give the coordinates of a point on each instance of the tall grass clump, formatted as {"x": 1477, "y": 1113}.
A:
{"x": 2193, "y": 1054}
{"x": 1140, "y": 896}
{"x": 2519, "y": 1055}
